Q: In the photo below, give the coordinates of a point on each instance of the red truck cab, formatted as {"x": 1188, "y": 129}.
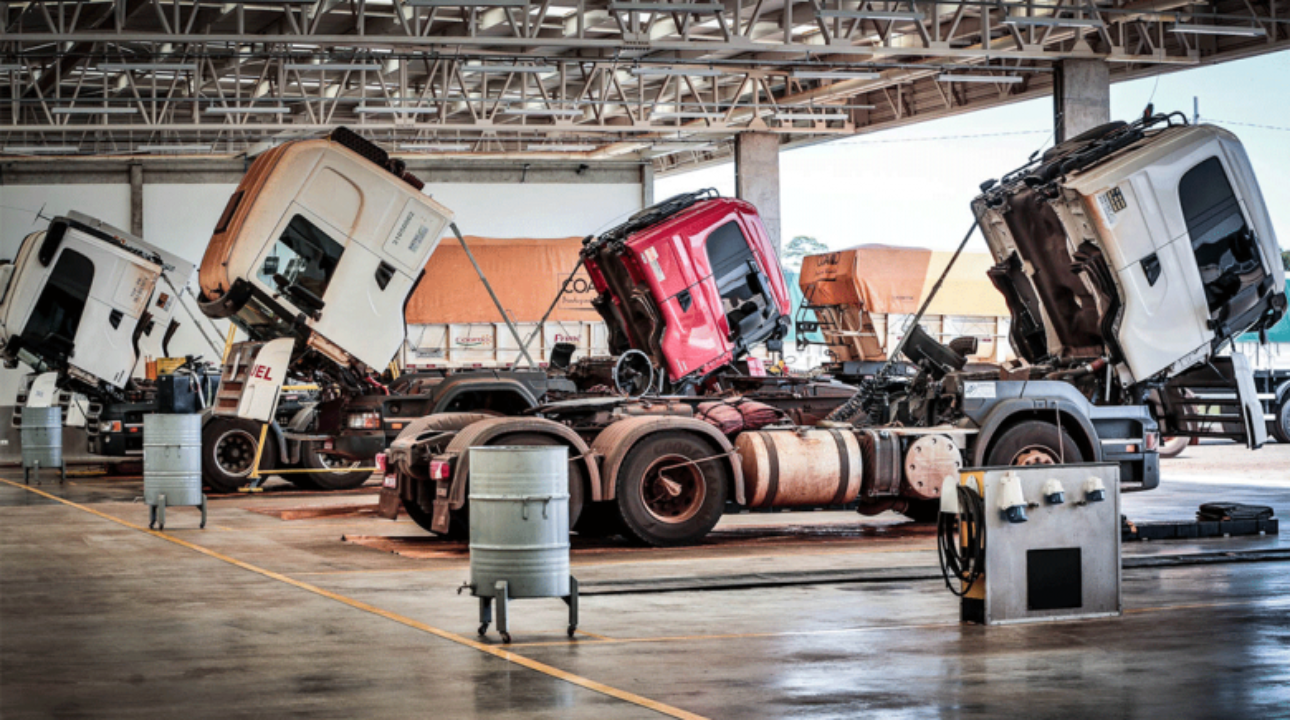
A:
{"x": 693, "y": 282}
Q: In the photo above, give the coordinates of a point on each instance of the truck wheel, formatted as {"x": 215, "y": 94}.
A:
{"x": 459, "y": 520}
{"x": 332, "y": 475}
{"x": 1172, "y": 447}
{"x": 1034, "y": 442}
{"x": 922, "y": 511}
{"x": 665, "y": 497}
{"x": 1281, "y": 420}
{"x": 228, "y": 453}
{"x": 600, "y": 520}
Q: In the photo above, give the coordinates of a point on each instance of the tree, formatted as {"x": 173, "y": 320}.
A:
{"x": 798, "y": 248}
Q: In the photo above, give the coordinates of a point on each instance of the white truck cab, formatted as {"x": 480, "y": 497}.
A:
{"x": 80, "y": 295}
{"x": 1147, "y": 245}
{"x": 323, "y": 240}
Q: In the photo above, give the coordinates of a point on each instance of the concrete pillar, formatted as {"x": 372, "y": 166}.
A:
{"x": 1081, "y": 97}
{"x": 647, "y": 185}
{"x": 757, "y": 177}
{"x": 136, "y": 199}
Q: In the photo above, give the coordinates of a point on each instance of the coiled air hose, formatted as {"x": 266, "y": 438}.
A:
{"x": 960, "y": 541}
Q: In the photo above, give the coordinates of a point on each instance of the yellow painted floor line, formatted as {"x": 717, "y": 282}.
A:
{"x": 497, "y": 652}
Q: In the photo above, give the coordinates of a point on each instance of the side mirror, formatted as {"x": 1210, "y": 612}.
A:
{"x": 270, "y": 266}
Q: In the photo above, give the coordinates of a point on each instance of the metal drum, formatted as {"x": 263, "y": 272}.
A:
{"x": 519, "y": 520}
{"x": 42, "y": 437}
{"x": 172, "y": 459}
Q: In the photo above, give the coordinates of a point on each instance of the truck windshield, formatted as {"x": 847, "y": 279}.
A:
{"x": 57, "y": 314}
{"x": 1226, "y": 249}
{"x": 304, "y": 257}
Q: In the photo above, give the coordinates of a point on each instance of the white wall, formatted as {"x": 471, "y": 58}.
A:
{"x": 180, "y": 217}
{"x": 536, "y": 210}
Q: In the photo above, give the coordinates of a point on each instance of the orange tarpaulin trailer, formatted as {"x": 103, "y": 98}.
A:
{"x": 526, "y": 274}
{"x": 856, "y": 290}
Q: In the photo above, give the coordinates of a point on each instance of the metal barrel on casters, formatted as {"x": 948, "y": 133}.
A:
{"x": 519, "y": 520}
{"x": 172, "y": 459}
{"x": 42, "y": 437}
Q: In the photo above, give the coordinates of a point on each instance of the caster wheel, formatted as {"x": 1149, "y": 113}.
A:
{"x": 572, "y": 629}
{"x": 483, "y": 630}
{"x": 506, "y": 638}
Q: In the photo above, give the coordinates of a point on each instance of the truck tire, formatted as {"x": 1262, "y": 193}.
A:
{"x": 1281, "y": 420}
{"x": 331, "y": 475}
{"x": 228, "y": 452}
{"x": 1172, "y": 447}
{"x": 679, "y": 506}
{"x": 922, "y": 511}
{"x": 1034, "y": 442}
{"x": 600, "y": 520}
{"x": 459, "y": 520}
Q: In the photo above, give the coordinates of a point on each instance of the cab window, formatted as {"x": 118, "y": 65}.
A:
{"x": 57, "y": 314}
{"x": 732, "y": 261}
{"x": 304, "y": 257}
{"x": 1226, "y": 249}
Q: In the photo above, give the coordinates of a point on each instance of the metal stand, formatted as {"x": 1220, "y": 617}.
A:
{"x": 157, "y": 513}
{"x": 503, "y": 614}
{"x": 26, "y": 476}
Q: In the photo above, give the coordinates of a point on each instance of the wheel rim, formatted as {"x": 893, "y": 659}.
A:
{"x": 1035, "y": 455}
{"x": 673, "y": 489}
{"x": 235, "y": 453}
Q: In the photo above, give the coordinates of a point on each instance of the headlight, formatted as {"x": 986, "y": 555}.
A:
{"x": 112, "y": 426}
{"x": 365, "y": 421}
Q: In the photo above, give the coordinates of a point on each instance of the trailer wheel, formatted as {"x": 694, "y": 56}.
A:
{"x": 671, "y": 490}
{"x": 1280, "y": 425}
{"x": 332, "y": 473}
{"x": 228, "y": 453}
{"x": 1034, "y": 442}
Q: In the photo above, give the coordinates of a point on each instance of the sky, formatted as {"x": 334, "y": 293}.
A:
{"x": 911, "y": 186}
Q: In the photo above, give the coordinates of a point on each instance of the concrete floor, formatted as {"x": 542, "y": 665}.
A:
{"x": 350, "y": 616}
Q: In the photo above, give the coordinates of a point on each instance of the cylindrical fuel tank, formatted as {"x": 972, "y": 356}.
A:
{"x": 519, "y": 520}
{"x": 172, "y": 459}
{"x": 787, "y": 468}
{"x": 42, "y": 437}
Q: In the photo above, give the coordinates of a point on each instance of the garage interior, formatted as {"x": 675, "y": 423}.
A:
{"x": 553, "y": 120}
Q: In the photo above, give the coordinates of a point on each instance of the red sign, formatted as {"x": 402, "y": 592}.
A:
{"x": 261, "y": 372}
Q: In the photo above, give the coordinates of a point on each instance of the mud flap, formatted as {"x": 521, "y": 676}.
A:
{"x": 389, "y": 503}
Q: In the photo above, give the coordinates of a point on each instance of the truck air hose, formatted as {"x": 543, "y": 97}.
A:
{"x": 960, "y": 541}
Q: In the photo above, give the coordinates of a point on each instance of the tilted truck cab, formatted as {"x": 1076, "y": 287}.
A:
{"x": 323, "y": 240}
{"x": 78, "y": 298}
{"x": 1147, "y": 245}
{"x": 693, "y": 282}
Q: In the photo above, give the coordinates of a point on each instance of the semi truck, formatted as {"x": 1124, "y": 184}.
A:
{"x": 76, "y": 301}
{"x": 1082, "y": 266}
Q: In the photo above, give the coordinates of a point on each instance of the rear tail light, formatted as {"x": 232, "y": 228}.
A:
{"x": 365, "y": 421}
{"x": 1153, "y": 441}
{"x": 440, "y": 469}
